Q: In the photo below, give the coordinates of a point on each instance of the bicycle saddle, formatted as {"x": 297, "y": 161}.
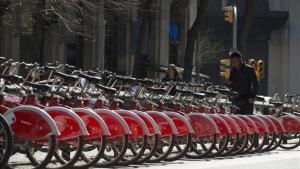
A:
{"x": 108, "y": 90}
{"x": 69, "y": 67}
{"x": 290, "y": 95}
{"x": 276, "y": 104}
{"x": 224, "y": 91}
{"x": 146, "y": 82}
{"x": 125, "y": 79}
{"x": 2, "y": 60}
{"x": 39, "y": 87}
{"x": 12, "y": 78}
{"x": 199, "y": 96}
{"x": 157, "y": 90}
{"x": 27, "y": 65}
{"x": 260, "y": 98}
{"x": 48, "y": 67}
{"x": 66, "y": 77}
{"x": 91, "y": 79}
{"x": 91, "y": 73}
{"x": 234, "y": 94}
{"x": 209, "y": 93}
{"x": 183, "y": 91}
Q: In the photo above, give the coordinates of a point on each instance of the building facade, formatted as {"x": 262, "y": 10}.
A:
{"x": 274, "y": 38}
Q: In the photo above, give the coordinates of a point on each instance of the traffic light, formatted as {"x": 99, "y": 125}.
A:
{"x": 225, "y": 68}
{"x": 260, "y": 69}
{"x": 228, "y": 14}
{"x": 252, "y": 62}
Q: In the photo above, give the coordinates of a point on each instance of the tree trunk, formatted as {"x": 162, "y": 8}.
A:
{"x": 141, "y": 38}
{"x": 3, "y": 5}
{"x": 191, "y": 40}
{"x": 247, "y": 21}
{"x": 39, "y": 33}
{"x": 38, "y": 39}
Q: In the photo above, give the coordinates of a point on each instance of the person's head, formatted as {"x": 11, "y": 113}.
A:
{"x": 236, "y": 59}
{"x": 172, "y": 71}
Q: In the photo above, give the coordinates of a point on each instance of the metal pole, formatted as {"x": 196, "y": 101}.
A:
{"x": 234, "y": 38}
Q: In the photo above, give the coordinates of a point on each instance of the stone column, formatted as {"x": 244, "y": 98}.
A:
{"x": 187, "y": 18}
{"x": 293, "y": 49}
{"x": 278, "y": 78}
{"x": 10, "y": 43}
{"x": 54, "y": 44}
{"x": 93, "y": 49}
{"x": 159, "y": 34}
{"x": 184, "y": 26}
{"x": 283, "y": 51}
{"x": 125, "y": 59}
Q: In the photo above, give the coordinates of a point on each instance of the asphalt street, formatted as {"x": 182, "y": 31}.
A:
{"x": 279, "y": 159}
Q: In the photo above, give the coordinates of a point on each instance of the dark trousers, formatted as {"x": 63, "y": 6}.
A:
{"x": 244, "y": 106}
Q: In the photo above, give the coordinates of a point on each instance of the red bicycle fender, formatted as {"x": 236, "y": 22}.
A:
{"x": 95, "y": 116}
{"x": 115, "y": 116}
{"x": 148, "y": 120}
{"x": 182, "y": 119}
{"x": 165, "y": 118}
{"x": 25, "y": 119}
{"x": 135, "y": 117}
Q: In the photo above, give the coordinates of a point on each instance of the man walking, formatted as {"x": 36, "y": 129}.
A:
{"x": 242, "y": 80}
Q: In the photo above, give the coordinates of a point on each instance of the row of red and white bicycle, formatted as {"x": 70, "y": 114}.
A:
{"x": 61, "y": 118}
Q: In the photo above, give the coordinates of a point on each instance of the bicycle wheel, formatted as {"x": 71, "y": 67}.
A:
{"x": 220, "y": 146}
{"x": 151, "y": 148}
{"x": 40, "y": 152}
{"x": 257, "y": 141}
{"x": 165, "y": 146}
{"x": 201, "y": 147}
{"x": 114, "y": 151}
{"x": 290, "y": 141}
{"x": 270, "y": 141}
{"x": 277, "y": 142}
{"x": 135, "y": 150}
{"x": 92, "y": 152}
{"x": 6, "y": 142}
{"x": 67, "y": 152}
{"x": 182, "y": 145}
{"x": 242, "y": 143}
{"x": 231, "y": 146}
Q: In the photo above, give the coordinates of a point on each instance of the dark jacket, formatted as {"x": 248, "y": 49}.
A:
{"x": 167, "y": 79}
{"x": 244, "y": 81}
